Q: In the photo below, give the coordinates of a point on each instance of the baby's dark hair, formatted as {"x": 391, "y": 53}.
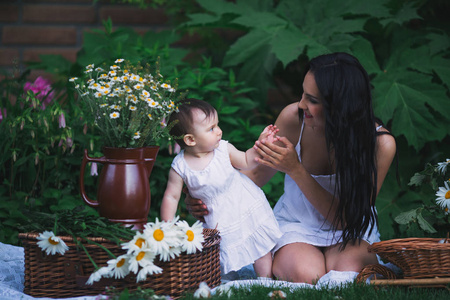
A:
{"x": 184, "y": 118}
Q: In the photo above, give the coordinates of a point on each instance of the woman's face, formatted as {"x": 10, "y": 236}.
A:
{"x": 311, "y": 103}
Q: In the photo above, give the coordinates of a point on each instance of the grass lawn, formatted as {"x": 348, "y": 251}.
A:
{"x": 347, "y": 292}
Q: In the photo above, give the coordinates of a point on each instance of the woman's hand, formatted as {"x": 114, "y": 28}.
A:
{"x": 281, "y": 156}
{"x": 196, "y": 207}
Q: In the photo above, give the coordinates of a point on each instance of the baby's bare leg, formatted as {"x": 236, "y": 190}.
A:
{"x": 263, "y": 266}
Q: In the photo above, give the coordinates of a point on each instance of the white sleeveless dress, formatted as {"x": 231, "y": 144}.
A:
{"x": 236, "y": 205}
{"x": 299, "y": 220}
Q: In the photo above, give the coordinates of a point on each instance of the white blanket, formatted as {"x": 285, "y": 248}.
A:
{"x": 12, "y": 274}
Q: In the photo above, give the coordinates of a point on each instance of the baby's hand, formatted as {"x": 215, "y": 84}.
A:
{"x": 269, "y": 133}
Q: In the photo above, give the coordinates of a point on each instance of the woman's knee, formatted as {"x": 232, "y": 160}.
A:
{"x": 299, "y": 263}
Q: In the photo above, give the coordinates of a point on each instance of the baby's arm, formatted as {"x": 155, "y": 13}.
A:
{"x": 171, "y": 196}
{"x": 246, "y": 160}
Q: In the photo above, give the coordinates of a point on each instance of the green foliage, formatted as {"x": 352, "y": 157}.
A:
{"x": 38, "y": 155}
{"x": 407, "y": 60}
{"x": 429, "y": 217}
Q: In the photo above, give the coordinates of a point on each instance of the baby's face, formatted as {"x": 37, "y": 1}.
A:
{"x": 207, "y": 132}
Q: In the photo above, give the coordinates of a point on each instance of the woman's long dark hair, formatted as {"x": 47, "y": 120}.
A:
{"x": 350, "y": 132}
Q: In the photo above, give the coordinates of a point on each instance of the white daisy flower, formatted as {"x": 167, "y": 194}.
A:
{"x": 98, "y": 69}
{"x": 137, "y": 135}
{"x": 114, "y": 115}
{"x": 97, "y": 275}
{"x": 73, "y": 79}
{"x": 152, "y": 103}
{"x": 103, "y": 76}
{"x": 91, "y": 66}
{"x": 114, "y": 67}
{"x": 115, "y": 106}
{"x": 88, "y": 71}
{"x": 149, "y": 269}
{"x": 145, "y": 94}
{"x": 442, "y": 166}
{"x": 51, "y": 244}
{"x": 154, "y": 87}
{"x": 203, "y": 291}
{"x": 137, "y": 243}
{"x": 134, "y": 77}
{"x": 138, "y": 86}
{"x": 443, "y": 196}
{"x": 132, "y": 108}
{"x": 119, "y": 60}
{"x": 119, "y": 266}
{"x": 193, "y": 236}
{"x": 140, "y": 258}
{"x": 166, "y": 86}
{"x": 160, "y": 237}
{"x": 98, "y": 94}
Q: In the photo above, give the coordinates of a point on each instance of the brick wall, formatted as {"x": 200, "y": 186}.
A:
{"x": 29, "y": 28}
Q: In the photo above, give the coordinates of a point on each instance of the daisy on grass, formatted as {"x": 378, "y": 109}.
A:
{"x": 97, "y": 275}
{"x": 442, "y": 166}
{"x": 443, "y": 196}
{"x": 119, "y": 267}
{"x": 161, "y": 236}
{"x": 149, "y": 269}
{"x": 141, "y": 258}
{"x": 137, "y": 135}
{"x": 51, "y": 244}
{"x": 203, "y": 291}
{"x": 193, "y": 236}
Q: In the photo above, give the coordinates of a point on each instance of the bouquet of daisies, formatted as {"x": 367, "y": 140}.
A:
{"x": 127, "y": 103}
{"x": 165, "y": 240}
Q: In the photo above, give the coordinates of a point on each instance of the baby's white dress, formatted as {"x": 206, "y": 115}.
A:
{"x": 299, "y": 220}
{"x": 236, "y": 206}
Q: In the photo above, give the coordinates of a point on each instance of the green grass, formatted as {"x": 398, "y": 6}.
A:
{"x": 347, "y": 292}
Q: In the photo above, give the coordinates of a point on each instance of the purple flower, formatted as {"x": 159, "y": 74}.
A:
{"x": 42, "y": 87}
{"x": 2, "y": 111}
{"x": 62, "y": 121}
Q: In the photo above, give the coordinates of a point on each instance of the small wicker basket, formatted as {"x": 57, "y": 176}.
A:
{"x": 416, "y": 257}
{"x": 65, "y": 275}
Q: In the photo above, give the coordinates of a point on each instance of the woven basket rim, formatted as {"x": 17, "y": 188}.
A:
{"x": 212, "y": 237}
{"x": 410, "y": 244}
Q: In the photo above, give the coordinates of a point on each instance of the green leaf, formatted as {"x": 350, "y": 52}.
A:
{"x": 442, "y": 68}
{"x": 267, "y": 21}
{"x": 363, "y": 49}
{"x": 417, "y": 179}
{"x": 246, "y": 47}
{"x": 408, "y": 216}
{"x": 227, "y": 110}
{"x": 201, "y": 19}
{"x": 425, "y": 225}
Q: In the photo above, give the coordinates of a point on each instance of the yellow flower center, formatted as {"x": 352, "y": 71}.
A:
{"x": 139, "y": 242}
{"x": 140, "y": 256}
{"x": 447, "y": 195}
{"x": 51, "y": 241}
{"x": 158, "y": 234}
{"x": 120, "y": 263}
{"x": 190, "y": 235}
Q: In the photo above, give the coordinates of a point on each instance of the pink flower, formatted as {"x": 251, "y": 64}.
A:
{"x": 62, "y": 121}
{"x": 2, "y": 111}
{"x": 42, "y": 87}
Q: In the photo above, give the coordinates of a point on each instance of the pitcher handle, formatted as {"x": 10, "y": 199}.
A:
{"x": 87, "y": 159}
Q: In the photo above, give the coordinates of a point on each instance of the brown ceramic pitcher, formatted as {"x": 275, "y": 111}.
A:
{"x": 123, "y": 194}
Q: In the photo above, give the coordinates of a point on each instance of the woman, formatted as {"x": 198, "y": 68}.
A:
{"x": 335, "y": 155}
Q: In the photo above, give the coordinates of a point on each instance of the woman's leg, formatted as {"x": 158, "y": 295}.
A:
{"x": 263, "y": 266}
{"x": 353, "y": 258}
{"x": 299, "y": 262}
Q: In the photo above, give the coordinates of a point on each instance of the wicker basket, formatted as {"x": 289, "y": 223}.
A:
{"x": 416, "y": 257}
{"x": 65, "y": 276}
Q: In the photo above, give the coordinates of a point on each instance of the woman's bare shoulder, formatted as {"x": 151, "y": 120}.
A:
{"x": 288, "y": 122}
{"x": 386, "y": 143}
